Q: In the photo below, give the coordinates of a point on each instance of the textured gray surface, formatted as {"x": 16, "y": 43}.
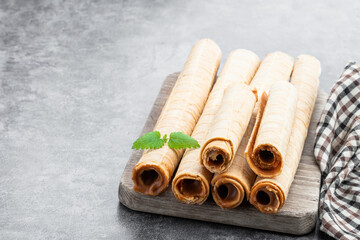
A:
{"x": 79, "y": 78}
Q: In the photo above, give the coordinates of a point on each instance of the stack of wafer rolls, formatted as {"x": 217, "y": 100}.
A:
{"x": 251, "y": 127}
{"x": 151, "y": 175}
{"x": 230, "y": 187}
{"x": 269, "y": 194}
{"x": 192, "y": 180}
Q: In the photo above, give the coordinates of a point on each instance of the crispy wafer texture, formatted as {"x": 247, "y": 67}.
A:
{"x": 151, "y": 175}
{"x": 275, "y": 67}
{"x": 228, "y": 127}
{"x": 269, "y": 141}
{"x": 269, "y": 194}
{"x": 240, "y": 67}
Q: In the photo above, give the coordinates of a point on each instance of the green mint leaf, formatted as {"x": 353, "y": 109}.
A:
{"x": 165, "y": 139}
{"x": 180, "y": 140}
{"x": 150, "y": 140}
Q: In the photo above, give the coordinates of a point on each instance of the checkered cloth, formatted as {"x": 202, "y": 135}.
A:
{"x": 337, "y": 151}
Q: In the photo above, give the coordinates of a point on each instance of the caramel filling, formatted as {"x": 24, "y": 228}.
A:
{"x": 227, "y": 192}
{"x": 262, "y": 198}
{"x": 190, "y": 188}
{"x": 267, "y": 199}
{"x": 267, "y": 157}
{"x": 215, "y": 158}
{"x": 148, "y": 177}
{"x": 149, "y": 181}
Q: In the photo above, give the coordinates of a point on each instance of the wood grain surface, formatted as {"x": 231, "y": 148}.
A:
{"x": 298, "y": 216}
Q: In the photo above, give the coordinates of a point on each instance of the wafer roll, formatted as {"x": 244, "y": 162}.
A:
{"x": 192, "y": 180}
{"x": 269, "y": 194}
{"x": 151, "y": 175}
{"x": 276, "y": 67}
{"x": 230, "y": 187}
{"x": 268, "y": 143}
{"x": 228, "y": 127}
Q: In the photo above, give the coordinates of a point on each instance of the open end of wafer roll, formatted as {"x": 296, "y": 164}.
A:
{"x": 190, "y": 189}
{"x": 267, "y": 197}
{"x": 227, "y": 193}
{"x": 149, "y": 179}
{"x": 217, "y": 155}
{"x": 267, "y": 158}
{"x": 228, "y": 127}
{"x": 271, "y": 135}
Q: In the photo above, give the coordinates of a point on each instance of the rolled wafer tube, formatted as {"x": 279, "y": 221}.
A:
{"x": 228, "y": 127}
{"x": 192, "y": 180}
{"x": 276, "y": 66}
{"x": 269, "y": 140}
{"x": 151, "y": 175}
{"x": 230, "y": 187}
{"x": 269, "y": 194}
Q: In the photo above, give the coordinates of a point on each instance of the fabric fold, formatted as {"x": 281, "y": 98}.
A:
{"x": 337, "y": 151}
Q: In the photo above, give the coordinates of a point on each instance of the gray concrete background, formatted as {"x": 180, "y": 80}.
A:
{"x": 78, "y": 80}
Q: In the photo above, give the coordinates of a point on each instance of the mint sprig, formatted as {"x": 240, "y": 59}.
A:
{"x": 180, "y": 140}
{"x": 150, "y": 140}
{"x": 153, "y": 140}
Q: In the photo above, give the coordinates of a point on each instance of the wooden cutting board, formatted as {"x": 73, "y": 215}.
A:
{"x": 298, "y": 216}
